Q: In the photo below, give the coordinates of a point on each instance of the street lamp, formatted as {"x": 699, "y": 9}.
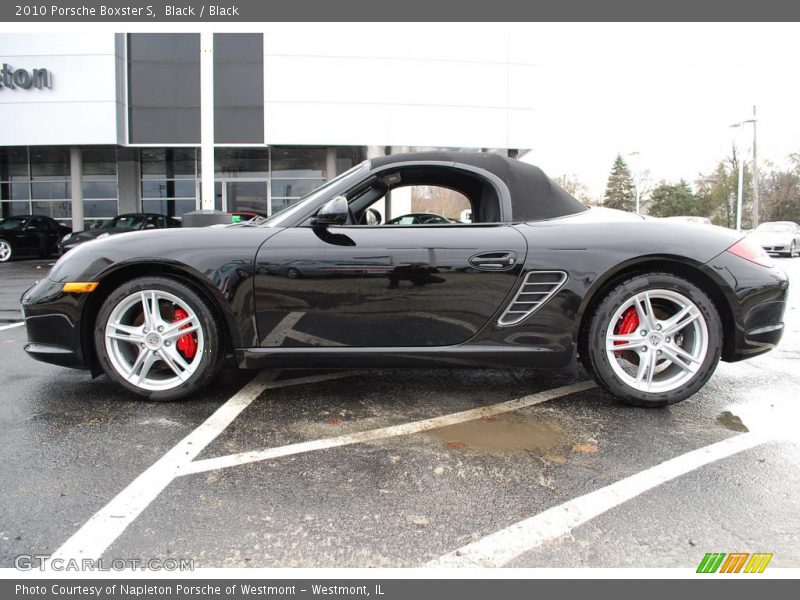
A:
{"x": 638, "y": 176}
{"x": 740, "y": 182}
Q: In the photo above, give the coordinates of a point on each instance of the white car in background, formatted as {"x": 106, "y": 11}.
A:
{"x": 778, "y": 237}
{"x": 703, "y": 220}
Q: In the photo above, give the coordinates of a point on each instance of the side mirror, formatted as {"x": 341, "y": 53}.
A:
{"x": 333, "y": 212}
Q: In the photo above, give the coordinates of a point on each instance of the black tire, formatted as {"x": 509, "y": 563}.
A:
{"x": 293, "y": 273}
{"x": 8, "y": 251}
{"x": 211, "y": 359}
{"x": 593, "y": 341}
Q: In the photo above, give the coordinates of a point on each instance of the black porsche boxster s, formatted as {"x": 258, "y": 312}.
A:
{"x": 536, "y": 280}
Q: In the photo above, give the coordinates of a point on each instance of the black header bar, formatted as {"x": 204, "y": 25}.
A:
{"x": 152, "y": 11}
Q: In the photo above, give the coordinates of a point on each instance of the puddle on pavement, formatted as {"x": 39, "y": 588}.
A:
{"x": 502, "y": 434}
{"x": 730, "y": 421}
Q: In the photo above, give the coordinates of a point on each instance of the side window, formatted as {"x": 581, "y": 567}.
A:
{"x": 39, "y": 224}
{"x": 423, "y": 204}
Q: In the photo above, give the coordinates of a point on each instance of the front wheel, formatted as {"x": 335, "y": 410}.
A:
{"x": 654, "y": 340}
{"x": 158, "y": 338}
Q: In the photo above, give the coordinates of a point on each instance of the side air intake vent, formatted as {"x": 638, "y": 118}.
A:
{"x": 536, "y": 289}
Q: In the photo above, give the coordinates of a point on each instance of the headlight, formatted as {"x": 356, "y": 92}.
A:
{"x": 103, "y": 235}
{"x": 66, "y": 237}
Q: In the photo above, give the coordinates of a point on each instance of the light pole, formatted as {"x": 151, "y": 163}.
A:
{"x": 740, "y": 182}
{"x": 638, "y": 176}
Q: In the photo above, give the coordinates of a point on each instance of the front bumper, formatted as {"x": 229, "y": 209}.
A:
{"x": 52, "y": 319}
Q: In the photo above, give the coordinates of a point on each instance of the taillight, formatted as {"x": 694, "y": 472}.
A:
{"x": 749, "y": 250}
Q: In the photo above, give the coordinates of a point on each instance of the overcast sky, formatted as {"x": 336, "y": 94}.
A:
{"x": 668, "y": 91}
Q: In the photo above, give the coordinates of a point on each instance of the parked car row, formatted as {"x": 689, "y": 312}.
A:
{"x": 38, "y": 235}
{"x": 42, "y": 236}
{"x": 29, "y": 235}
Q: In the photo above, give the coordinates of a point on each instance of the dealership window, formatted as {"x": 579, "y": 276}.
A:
{"x": 243, "y": 163}
{"x": 296, "y": 171}
{"x": 348, "y": 157}
{"x": 35, "y": 180}
{"x": 169, "y": 180}
{"x": 99, "y": 184}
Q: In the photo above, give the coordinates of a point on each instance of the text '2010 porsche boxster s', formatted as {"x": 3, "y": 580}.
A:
{"x": 535, "y": 280}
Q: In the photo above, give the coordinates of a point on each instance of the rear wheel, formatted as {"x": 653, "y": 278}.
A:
{"x": 654, "y": 340}
{"x": 158, "y": 338}
{"x": 6, "y": 251}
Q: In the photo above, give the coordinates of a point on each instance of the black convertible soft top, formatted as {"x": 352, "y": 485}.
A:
{"x": 534, "y": 196}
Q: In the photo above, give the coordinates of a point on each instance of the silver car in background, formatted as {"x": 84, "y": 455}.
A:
{"x": 778, "y": 237}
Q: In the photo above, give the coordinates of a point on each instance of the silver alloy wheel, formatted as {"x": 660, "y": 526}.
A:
{"x": 143, "y": 347}
{"x": 5, "y": 251}
{"x": 668, "y": 346}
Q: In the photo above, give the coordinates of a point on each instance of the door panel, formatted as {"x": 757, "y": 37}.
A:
{"x": 381, "y": 286}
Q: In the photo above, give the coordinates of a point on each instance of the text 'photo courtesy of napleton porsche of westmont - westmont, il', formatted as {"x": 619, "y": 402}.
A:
{"x": 441, "y": 296}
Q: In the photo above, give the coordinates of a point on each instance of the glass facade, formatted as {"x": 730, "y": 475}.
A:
{"x": 36, "y": 180}
{"x": 261, "y": 180}
{"x": 165, "y": 180}
{"x": 169, "y": 180}
{"x": 99, "y": 184}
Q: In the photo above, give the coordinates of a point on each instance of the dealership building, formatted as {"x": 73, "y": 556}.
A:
{"x": 94, "y": 125}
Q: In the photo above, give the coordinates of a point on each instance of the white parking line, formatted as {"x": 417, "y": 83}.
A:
{"x": 105, "y": 526}
{"x": 242, "y": 458}
{"x": 499, "y": 548}
{"x": 12, "y": 325}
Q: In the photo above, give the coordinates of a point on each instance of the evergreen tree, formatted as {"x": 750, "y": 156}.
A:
{"x": 620, "y": 191}
{"x": 670, "y": 200}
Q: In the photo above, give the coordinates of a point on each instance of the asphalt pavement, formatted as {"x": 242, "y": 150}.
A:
{"x": 291, "y": 479}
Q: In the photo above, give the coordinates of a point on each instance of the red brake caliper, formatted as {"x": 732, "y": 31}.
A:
{"x": 628, "y": 324}
{"x": 186, "y": 344}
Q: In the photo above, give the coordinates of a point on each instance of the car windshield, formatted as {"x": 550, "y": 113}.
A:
{"x": 125, "y": 222}
{"x": 775, "y": 227}
{"x": 279, "y": 218}
{"x": 12, "y": 223}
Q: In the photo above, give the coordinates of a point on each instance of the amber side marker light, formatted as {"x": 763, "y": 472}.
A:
{"x": 80, "y": 287}
{"x": 751, "y": 251}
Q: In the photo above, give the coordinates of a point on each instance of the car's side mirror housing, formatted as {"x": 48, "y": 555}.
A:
{"x": 334, "y": 212}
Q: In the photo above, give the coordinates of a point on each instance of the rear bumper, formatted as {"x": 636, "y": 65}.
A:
{"x": 757, "y": 298}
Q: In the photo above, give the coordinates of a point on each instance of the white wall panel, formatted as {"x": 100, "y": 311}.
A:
{"x": 81, "y": 106}
{"x": 384, "y": 81}
{"x": 69, "y": 123}
{"x": 395, "y": 124}
{"x": 475, "y": 42}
